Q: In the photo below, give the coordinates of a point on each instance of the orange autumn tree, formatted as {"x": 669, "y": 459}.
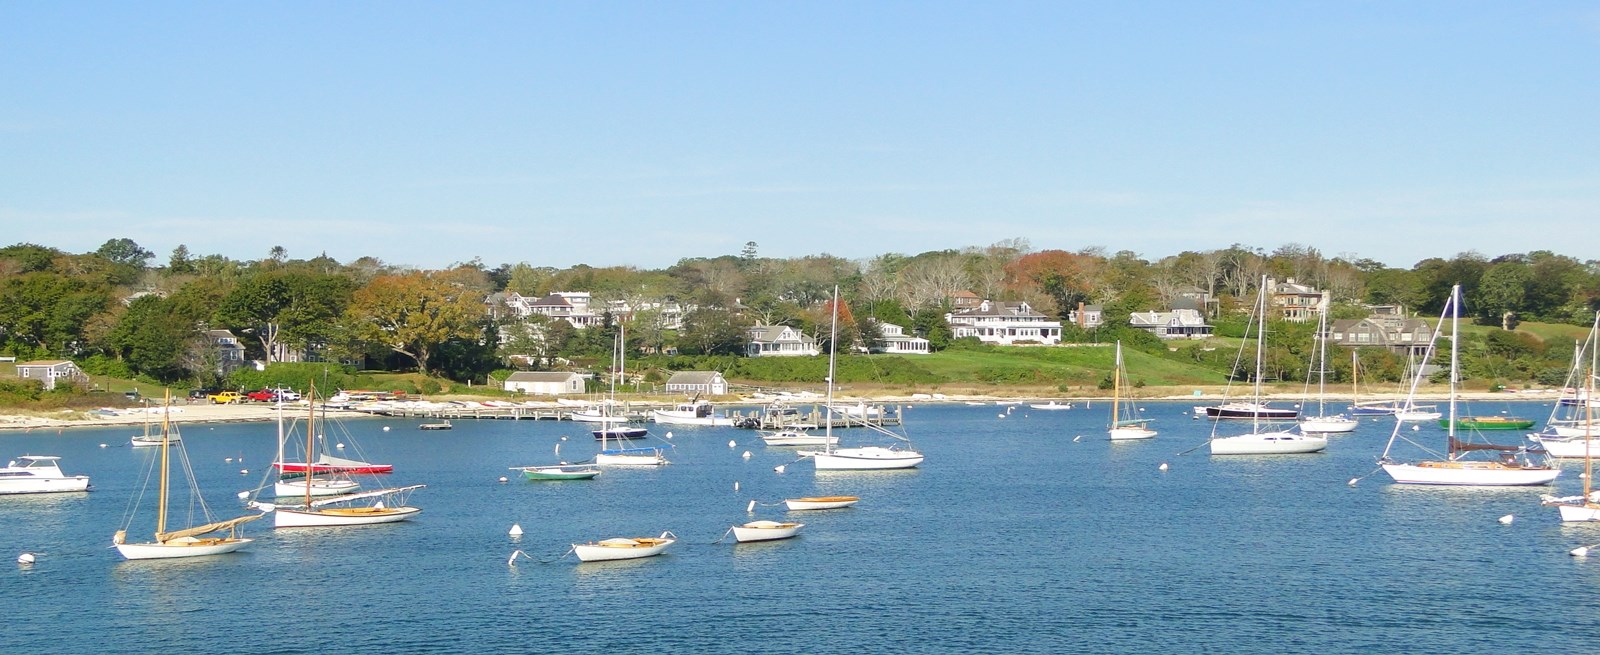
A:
{"x": 414, "y": 314}
{"x": 1055, "y": 281}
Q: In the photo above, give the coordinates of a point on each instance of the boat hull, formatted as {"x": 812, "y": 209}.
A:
{"x": 1328, "y": 424}
{"x": 798, "y": 439}
{"x": 602, "y": 552}
{"x": 319, "y": 488}
{"x": 44, "y": 485}
{"x": 625, "y": 458}
{"x": 1579, "y": 513}
{"x": 340, "y": 516}
{"x": 765, "y": 531}
{"x": 1470, "y": 474}
{"x": 1051, "y": 406}
{"x": 1489, "y": 423}
{"x": 669, "y": 417}
{"x": 867, "y": 458}
{"x": 1268, "y": 443}
{"x": 142, "y": 442}
{"x": 1416, "y": 415}
{"x": 820, "y": 502}
{"x": 620, "y": 433}
{"x": 1568, "y": 448}
{"x": 1368, "y": 410}
{"x": 187, "y": 547}
{"x": 362, "y": 467}
{"x": 559, "y": 473}
{"x": 1250, "y": 411}
{"x": 1131, "y": 433}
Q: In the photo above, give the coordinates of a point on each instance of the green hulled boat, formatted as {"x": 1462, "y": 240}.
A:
{"x": 1489, "y": 423}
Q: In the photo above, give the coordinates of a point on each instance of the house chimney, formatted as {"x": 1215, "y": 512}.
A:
{"x": 1083, "y": 319}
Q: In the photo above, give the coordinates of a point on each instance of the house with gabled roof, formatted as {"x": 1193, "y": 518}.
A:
{"x": 1004, "y": 323}
{"x": 1177, "y": 323}
{"x": 1295, "y": 302}
{"x": 50, "y": 372}
{"x": 897, "y": 342}
{"x": 704, "y": 383}
{"x": 545, "y": 383}
{"x": 1386, "y": 327}
{"x": 779, "y": 341}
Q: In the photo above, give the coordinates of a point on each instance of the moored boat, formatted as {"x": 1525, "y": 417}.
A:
{"x": 562, "y": 472}
{"x": 797, "y": 437}
{"x": 820, "y": 502}
{"x": 1490, "y": 422}
{"x": 619, "y": 548}
{"x": 765, "y": 531}
{"x": 39, "y": 474}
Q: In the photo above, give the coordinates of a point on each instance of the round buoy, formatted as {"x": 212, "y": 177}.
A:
{"x": 502, "y": 479}
{"x": 1507, "y": 519}
{"x": 751, "y": 507}
{"x": 746, "y": 454}
{"x": 1581, "y": 551}
{"x": 244, "y": 471}
{"x": 1163, "y": 466}
{"x": 243, "y": 495}
{"x": 102, "y": 445}
{"x": 385, "y": 428}
{"x": 1414, "y": 428}
{"x": 228, "y": 460}
{"x": 779, "y": 468}
{"x": 340, "y": 446}
{"x": 669, "y": 434}
{"x": 516, "y": 530}
{"x": 25, "y": 558}
{"x": 732, "y": 443}
{"x": 563, "y": 437}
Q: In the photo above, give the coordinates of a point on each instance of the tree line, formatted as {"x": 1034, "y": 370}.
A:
{"x": 118, "y": 311}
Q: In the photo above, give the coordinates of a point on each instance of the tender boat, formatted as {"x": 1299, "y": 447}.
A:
{"x": 39, "y": 474}
{"x": 442, "y": 425}
{"x": 820, "y": 502}
{"x": 796, "y": 437}
{"x": 765, "y": 531}
{"x": 563, "y": 472}
{"x": 1050, "y": 405}
{"x": 623, "y": 548}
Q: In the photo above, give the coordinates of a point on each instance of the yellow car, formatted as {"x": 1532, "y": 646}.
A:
{"x": 223, "y": 397}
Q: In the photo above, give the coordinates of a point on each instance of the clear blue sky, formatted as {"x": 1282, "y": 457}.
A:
{"x": 613, "y": 133}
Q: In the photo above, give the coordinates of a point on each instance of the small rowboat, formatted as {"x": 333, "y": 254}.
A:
{"x": 820, "y": 502}
{"x": 623, "y": 548}
{"x": 559, "y": 472}
{"x": 765, "y": 531}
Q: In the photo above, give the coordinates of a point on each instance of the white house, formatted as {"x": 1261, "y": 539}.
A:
{"x": 542, "y": 383}
{"x": 47, "y": 372}
{"x": 1004, "y": 323}
{"x": 1175, "y": 324}
{"x": 708, "y": 383}
{"x": 779, "y": 341}
{"x": 896, "y": 342}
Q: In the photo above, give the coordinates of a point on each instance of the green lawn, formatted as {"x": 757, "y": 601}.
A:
{"x": 1072, "y": 365}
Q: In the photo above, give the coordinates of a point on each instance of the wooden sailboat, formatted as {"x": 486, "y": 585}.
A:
{"x": 861, "y": 458}
{"x": 146, "y": 439}
{"x": 297, "y": 484}
{"x": 1126, "y": 424}
{"x": 1457, "y": 467}
{"x": 187, "y": 542}
{"x": 338, "y": 510}
{"x": 1324, "y": 423}
{"x": 1262, "y": 439}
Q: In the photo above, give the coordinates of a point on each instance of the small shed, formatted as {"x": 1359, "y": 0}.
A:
{"x": 47, "y": 372}
{"x": 545, "y": 383}
{"x": 707, "y": 383}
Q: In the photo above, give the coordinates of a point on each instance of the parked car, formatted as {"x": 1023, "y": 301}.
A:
{"x": 262, "y": 395}
{"x": 286, "y": 395}
{"x": 201, "y": 394}
{"x": 224, "y": 397}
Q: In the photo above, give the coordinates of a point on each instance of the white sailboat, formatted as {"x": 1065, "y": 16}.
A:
{"x": 860, "y": 458}
{"x": 187, "y": 542}
{"x": 1569, "y": 431}
{"x": 1360, "y": 407}
{"x": 1126, "y": 424}
{"x": 1587, "y": 506}
{"x": 1323, "y": 422}
{"x": 1409, "y": 411}
{"x": 1262, "y": 440}
{"x": 147, "y": 440}
{"x": 797, "y": 437}
{"x": 618, "y": 455}
{"x": 329, "y": 483}
{"x": 339, "y": 510}
{"x": 1456, "y": 467}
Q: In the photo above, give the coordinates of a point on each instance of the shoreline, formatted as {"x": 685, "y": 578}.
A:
{"x": 258, "y": 413}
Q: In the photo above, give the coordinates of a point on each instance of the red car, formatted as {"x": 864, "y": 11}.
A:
{"x": 262, "y": 395}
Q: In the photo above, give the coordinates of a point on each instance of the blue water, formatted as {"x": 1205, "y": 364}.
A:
{"x": 1011, "y": 538}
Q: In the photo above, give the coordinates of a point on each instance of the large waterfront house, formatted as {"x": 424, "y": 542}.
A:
{"x": 897, "y": 342}
{"x": 1386, "y": 327}
{"x": 779, "y": 341}
{"x": 545, "y": 383}
{"x": 1296, "y": 302}
{"x": 50, "y": 372}
{"x": 1004, "y": 323}
{"x": 704, "y": 383}
{"x": 1177, "y": 323}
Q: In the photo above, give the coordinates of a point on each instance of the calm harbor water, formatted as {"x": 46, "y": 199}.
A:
{"x": 1012, "y": 538}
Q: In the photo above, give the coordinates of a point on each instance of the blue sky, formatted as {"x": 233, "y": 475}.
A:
{"x": 642, "y": 133}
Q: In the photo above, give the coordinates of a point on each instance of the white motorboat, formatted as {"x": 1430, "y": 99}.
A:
{"x": 1052, "y": 405}
{"x": 1513, "y": 466}
{"x": 765, "y": 531}
{"x": 1262, "y": 439}
{"x": 697, "y": 412}
{"x": 187, "y": 542}
{"x": 623, "y": 548}
{"x": 820, "y": 502}
{"x": 795, "y": 437}
{"x": 39, "y": 474}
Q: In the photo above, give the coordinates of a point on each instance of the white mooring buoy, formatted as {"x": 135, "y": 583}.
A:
{"x": 779, "y": 468}
{"x": 244, "y": 471}
{"x": 1581, "y": 551}
{"x": 751, "y": 508}
{"x": 732, "y": 443}
{"x": 1077, "y": 438}
{"x": 25, "y": 558}
{"x": 102, "y": 445}
{"x": 502, "y": 479}
{"x": 746, "y": 454}
{"x": 1507, "y": 519}
{"x": 340, "y": 446}
{"x": 385, "y": 428}
{"x": 516, "y": 530}
{"x": 1163, "y": 466}
{"x": 669, "y": 434}
{"x": 736, "y": 486}
{"x": 243, "y": 495}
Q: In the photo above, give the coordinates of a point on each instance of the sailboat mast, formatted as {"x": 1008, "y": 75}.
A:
{"x": 166, "y": 422}
{"x": 1322, "y": 363}
{"x": 1116, "y": 387}
{"x": 833, "y": 350}
{"x": 1588, "y": 409}
{"x": 311, "y": 438}
{"x": 1454, "y": 306}
{"x": 1261, "y": 338}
